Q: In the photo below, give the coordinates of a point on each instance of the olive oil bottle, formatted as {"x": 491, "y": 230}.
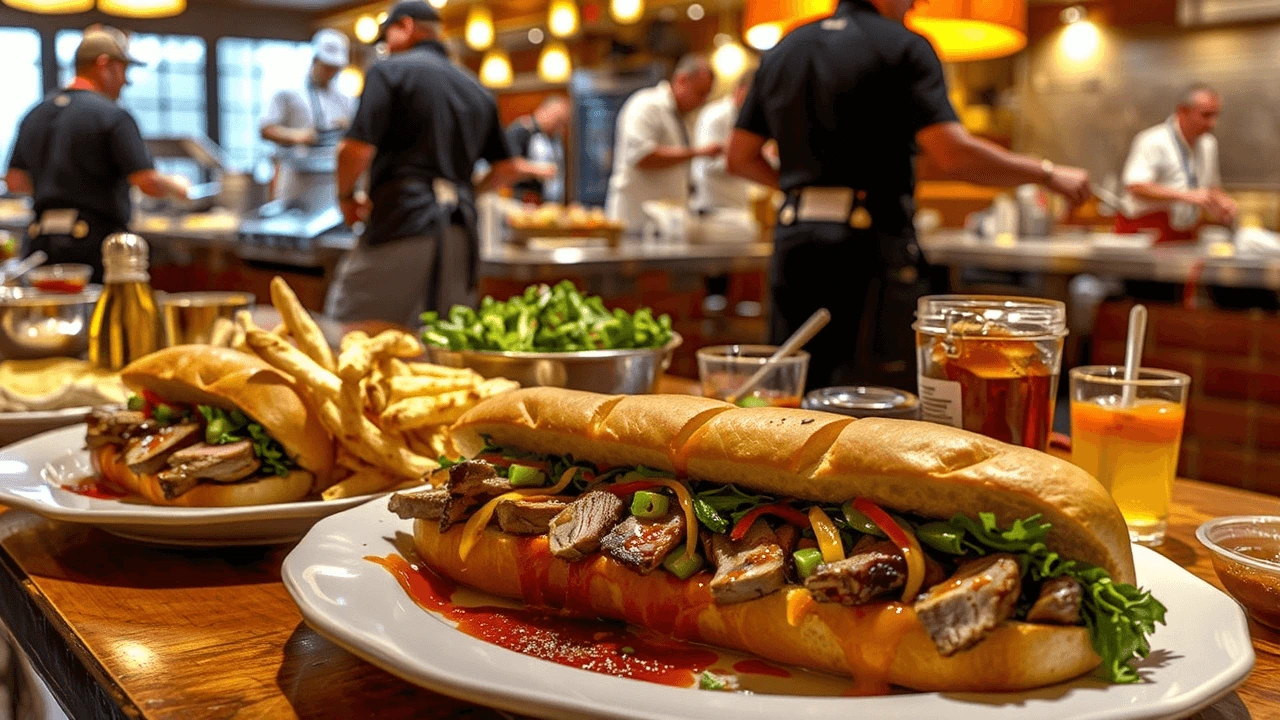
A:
{"x": 126, "y": 323}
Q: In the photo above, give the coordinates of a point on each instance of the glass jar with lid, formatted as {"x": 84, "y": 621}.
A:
{"x": 990, "y": 364}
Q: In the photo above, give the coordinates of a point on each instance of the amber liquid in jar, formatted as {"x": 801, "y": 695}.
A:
{"x": 1006, "y": 392}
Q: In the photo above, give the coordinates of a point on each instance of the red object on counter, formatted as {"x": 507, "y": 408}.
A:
{"x": 1158, "y": 221}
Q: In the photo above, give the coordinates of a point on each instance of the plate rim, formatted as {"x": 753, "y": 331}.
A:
{"x": 1211, "y": 689}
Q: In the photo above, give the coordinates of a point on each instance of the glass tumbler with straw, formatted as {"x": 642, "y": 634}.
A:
{"x": 1126, "y": 430}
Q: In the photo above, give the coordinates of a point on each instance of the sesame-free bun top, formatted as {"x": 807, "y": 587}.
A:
{"x": 931, "y": 470}
{"x": 230, "y": 379}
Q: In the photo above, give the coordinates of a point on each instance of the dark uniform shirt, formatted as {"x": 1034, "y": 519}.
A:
{"x": 428, "y": 119}
{"x": 844, "y": 97}
{"x": 520, "y": 136}
{"x": 80, "y": 149}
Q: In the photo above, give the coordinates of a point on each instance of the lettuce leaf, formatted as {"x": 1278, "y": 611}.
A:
{"x": 223, "y": 428}
{"x": 1119, "y": 616}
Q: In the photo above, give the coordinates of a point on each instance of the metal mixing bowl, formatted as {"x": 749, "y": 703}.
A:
{"x": 200, "y": 317}
{"x": 627, "y": 372}
{"x": 38, "y": 324}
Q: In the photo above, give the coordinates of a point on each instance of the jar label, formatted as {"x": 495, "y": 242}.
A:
{"x": 940, "y": 401}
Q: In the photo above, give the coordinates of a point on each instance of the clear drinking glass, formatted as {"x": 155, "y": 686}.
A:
{"x": 723, "y": 368}
{"x": 1127, "y": 434}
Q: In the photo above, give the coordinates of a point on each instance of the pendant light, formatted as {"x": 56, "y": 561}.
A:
{"x": 479, "y": 30}
{"x": 626, "y": 12}
{"x": 51, "y": 7}
{"x": 367, "y": 29}
{"x": 554, "y": 65}
{"x": 495, "y": 69}
{"x": 962, "y": 30}
{"x": 764, "y": 22}
{"x": 562, "y": 18}
{"x": 144, "y": 9}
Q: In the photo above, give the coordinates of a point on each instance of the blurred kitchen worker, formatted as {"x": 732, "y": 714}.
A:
{"x": 314, "y": 116}
{"x": 1172, "y": 177}
{"x": 652, "y": 150}
{"x": 713, "y": 185}
{"x": 539, "y": 137}
{"x": 848, "y": 99}
{"x": 422, "y": 125}
{"x": 78, "y": 152}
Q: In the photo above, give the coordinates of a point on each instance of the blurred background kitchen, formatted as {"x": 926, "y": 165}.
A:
{"x": 1075, "y": 83}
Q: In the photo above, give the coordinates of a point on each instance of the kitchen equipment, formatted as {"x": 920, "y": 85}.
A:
{"x": 1245, "y": 550}
{"x": 125, "y": 323}
{"x": 37, "y": 324}
{"x": 24, "y": 266}
{"x": 862, "y": 401}
{"x": 193, "y": 317}
{"x": 627, "y": 372}
{"x": 723, "y": 369}
{"x": 802, "y": 335}
{"x": 60, "y": 278}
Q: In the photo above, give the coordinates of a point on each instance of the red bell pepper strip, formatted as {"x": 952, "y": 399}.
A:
{"x": 626, "y": 488}
{"x": 781, "y": 511}
{"x": 906, "y": 542}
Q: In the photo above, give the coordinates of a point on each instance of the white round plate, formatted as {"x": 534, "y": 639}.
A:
{"x": 15, "y": 426}
{"x": 34, "y": 471}
{"x": 1202, "y": 654}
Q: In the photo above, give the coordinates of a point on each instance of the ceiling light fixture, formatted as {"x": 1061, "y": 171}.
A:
{"x": 479, "y": 30}
{"x": 495, "y": 69}
{"x": 696, "y": 12}
{"x": 51, "y": 7}
{"x": 366, "y": 29}
{"x": 626, "y": 12}
{"x": 554, "y": 65}
{"x": 562, "y": 18}
{"x": 143, "y": 8}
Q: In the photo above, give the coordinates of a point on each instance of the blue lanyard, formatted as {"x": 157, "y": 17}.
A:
{"x": 1192, "y": 181}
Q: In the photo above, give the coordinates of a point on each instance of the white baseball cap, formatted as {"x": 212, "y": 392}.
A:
{"x": 331, "y": 48}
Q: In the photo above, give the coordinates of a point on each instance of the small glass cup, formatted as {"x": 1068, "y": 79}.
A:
{"x": 64, "y": 278}
{"x": 1127, "y": 434}
{"x": 723, "y": 368}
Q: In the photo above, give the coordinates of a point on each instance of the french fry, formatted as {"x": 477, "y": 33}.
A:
{"x": 371, "y": 444}
{"x": 357, "y": 358}
{"x": 418, "y": 443}
{"x": 408, "y": 485}
{"x": 416, "y": 412}
{"x": 355, "y": 337}
{"x": 374, "y": 390}
{"x": 418, "y": 385}
{"x": 362, "y": 482}
{"x": 244, "y": 319}
{"x": 394, "y": 367}
{"x": 238, "y": 341}
{"x": 292, "y": 361}
{"x": 281, "y": 330}
{"x": 301, "y": 326}
{"x": 440, "y": 442}
{"x": 222, "y": 332}
{"x": 432, "y": 370}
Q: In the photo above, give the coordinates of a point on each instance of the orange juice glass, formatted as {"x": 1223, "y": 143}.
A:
{"x": 1127, "y": 435}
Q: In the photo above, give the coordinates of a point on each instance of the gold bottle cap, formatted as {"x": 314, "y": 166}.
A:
{"x": 125, "y": 258}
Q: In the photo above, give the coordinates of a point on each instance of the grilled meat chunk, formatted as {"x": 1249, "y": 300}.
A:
{"x": 577, "y": 530}
{"x": 876, "y": 571}
{"x": 115, "y": 427}
{"x": 1058, "y": 602}
{"x": 148, "y": 454}
{"x": 960, "y": 611}
{"x": 527, "y": 517}
{"x": 471, "y": 484}
{"x": 419, "y": 505}
{"x": 750, "y": 568}
{"x": 219, "y": 463}
{"x": 643, "y": 544}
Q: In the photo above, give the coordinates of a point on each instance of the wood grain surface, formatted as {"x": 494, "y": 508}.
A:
{"x": 185, "y": 634}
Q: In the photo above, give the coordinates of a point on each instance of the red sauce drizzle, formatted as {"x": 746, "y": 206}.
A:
{"x": 600, "y": 646}
{"x": 760, "y": 667}
{"x": 96, "y": 489}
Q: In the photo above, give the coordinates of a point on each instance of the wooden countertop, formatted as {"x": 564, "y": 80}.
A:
{"x": 126, "y": 630}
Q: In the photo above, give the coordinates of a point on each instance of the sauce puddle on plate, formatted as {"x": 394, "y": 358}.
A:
{"x": 95, "y": 488}
{"x": 602, "y": 646}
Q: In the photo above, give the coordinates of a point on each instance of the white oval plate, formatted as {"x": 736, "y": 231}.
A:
{"x": 32, "y": 473}
{"x": 15, "y": 426}
{"x": 1202, "y": 654}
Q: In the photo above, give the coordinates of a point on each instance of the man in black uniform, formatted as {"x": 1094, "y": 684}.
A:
{"x": 422, "y": 125}
{"x": 78, "y": 152}
{"x": 849, "y": 100}
{"x": 539, "y": 137}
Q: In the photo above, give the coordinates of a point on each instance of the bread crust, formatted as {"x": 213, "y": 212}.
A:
{"x": 879, "y": 645}
{"x": 928, "y": 469}
{"x": 226, "y": 378}
{"x": 260, "y": 490}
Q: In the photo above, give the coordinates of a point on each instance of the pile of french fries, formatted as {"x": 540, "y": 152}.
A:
{"x": 389, "y": 415}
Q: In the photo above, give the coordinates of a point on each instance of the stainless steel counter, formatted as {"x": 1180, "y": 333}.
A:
{"x": 1071, "y": 253}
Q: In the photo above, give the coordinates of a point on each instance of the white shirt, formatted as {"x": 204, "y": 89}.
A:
{"x": 1162, "y": 156}
{"x": 324, "y": 109}
{"x": 648, "y": 119}
{"x": 713, "y": 186}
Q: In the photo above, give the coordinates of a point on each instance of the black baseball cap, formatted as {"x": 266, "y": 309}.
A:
{"x": 416, "y": 9}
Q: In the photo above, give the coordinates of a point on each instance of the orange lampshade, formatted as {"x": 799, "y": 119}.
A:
{"x": 764, "y": 22}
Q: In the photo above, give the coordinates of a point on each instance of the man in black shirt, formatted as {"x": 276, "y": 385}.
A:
{"x": 78, "y": 152}
{"x": 422, "y": 125}
{"x": 539, "y": 137}
{"x": 849, "y": 100}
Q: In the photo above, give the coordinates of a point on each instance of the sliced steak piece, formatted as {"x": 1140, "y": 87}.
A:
{"x": 528, "y": 517}
{"x": 960, "y": 611}
{"x": 470, "y": 485}
{"x": 147, "y": 454}
{"x": 747, "y": 569}
{"x": 643, "y": 544}
{"x": 228, "y": 463}
{"x": 788, "y": 540}
{"x": 115, "y": 427}
{"x": 1058, "y": 603}
{"x": 857, "y": 580}
{"x": 578, "y": 529}
{"x": 420, "y": 505}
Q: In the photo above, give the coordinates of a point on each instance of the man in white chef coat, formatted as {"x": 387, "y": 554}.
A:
{"x": 713, "y": 186}
{"x": 653, "y": 147}
{"x": 1171, "y": 178}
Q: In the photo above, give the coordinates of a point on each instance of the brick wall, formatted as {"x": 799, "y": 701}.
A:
{"x": 1232, "y": 435}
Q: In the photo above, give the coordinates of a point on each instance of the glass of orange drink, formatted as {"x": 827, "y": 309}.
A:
{"x": 1127, "y": 433}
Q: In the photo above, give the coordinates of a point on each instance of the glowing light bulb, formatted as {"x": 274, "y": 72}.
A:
{"x": 626, "y": 12}
{"x": 495, "y": 69}
{"x": 366, "y": 29}
{"x": 562, "y": 18}
{"x": 554, "y": 65}
{"x": 763, "y": 36}
{"x": 1080, "y": 40}
{"x": 479, "y": 31}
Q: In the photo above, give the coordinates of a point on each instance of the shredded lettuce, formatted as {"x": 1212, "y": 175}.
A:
{"x": 1119, "y": 616}
{"x": 223, "y": 428}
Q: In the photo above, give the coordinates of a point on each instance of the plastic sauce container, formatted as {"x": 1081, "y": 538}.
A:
{"x": 990, "y": 364}
{"x": 863, "y": 401}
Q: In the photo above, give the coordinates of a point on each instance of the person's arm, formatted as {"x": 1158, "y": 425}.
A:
{"x": 275, "y": 123}
{"x": 745, "y": 158}
{"x": 961, "y": 156}
{"x": 506, "y": 167}
{"x": 153, "y": 184}
{"x": 354, "y": 159}
{"x": 281, "y": 135}
{"x": 665, "y": 156}
{"x": 133, "y": 160}
{"x": 19, "y": 182}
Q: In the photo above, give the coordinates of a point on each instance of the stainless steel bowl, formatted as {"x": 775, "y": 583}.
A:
{"x": 38, "y": 324}
{"x": 627, "y": 372}
{"x": 201, "y": 318}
